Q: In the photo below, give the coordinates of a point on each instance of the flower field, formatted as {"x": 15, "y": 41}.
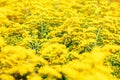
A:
{"x": 59, "y": 39}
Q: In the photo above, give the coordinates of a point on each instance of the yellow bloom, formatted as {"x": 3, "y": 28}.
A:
{"x": 49, "y": 71}
{"x": 6, "y": 77}
{"x": 34, "y": 77}
{"x": 2, "y": 42}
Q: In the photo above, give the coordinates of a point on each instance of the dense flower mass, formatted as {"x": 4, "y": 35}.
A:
{"x": 59, "y": 40}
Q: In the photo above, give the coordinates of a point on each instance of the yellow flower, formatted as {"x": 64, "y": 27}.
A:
{"x": 2, "y": 42}
{"x": 98, "y": 55}
{"x": 6, "y": 77}
{"x": 49, "y": 71}
{"x": 71, "y": 73}
{"x": 34, "y": 77}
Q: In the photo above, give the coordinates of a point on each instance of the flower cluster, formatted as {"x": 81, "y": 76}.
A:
{"x": 59, "y": 39}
